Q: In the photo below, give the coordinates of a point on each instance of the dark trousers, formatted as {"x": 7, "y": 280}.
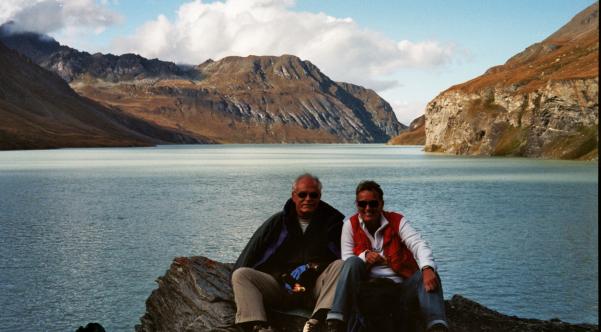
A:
{"x": 413, "y": 296}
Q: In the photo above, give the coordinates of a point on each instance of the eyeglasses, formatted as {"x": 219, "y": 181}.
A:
{"x": 311, "y": 194}
{"x": 372, "y": 204}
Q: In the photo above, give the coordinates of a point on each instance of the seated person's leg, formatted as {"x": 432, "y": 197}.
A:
{"x": 352, "y": 273}
{"x": 252, "y": 291}
{"x": 325, "y": 287}
{"x": 323, "y": 293}
{"x": 431, "y": 304}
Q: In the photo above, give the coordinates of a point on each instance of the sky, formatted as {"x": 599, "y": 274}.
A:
{"x": 407, "y": 51}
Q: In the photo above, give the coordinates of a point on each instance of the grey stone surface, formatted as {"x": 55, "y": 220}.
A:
{"x": 195, "y": 295}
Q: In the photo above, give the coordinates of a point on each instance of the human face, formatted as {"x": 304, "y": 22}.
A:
{"x": 369, "y": 205}
{"x": 305, "y": 206}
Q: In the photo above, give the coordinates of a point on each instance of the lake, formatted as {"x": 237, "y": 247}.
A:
{"x": 84, "y": 233}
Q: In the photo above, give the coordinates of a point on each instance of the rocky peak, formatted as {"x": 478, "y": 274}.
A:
{"x": 31, "y": 44}
{"x": 72, "y": 64}
{"x": 266, "y": 71}
{"x": 582, "y": 25}
{"x": 572, "y": 52}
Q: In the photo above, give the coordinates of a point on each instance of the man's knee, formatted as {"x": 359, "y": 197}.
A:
{"x": 354, "y": 263}
{"x": 336, "y": 265}
{"x": 418, "y": 276}
{"x": 242, "y": 274}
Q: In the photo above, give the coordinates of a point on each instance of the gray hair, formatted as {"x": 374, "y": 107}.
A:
{"x": 306, "y": 175}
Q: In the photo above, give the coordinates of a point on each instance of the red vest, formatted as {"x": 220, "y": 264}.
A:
{"x": 400, "y": 259}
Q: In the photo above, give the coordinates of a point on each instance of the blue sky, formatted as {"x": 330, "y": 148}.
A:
{"x": 408, "y": 51}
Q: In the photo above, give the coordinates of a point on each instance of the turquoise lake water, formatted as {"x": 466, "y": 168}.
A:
{"x": 84, "y": 233}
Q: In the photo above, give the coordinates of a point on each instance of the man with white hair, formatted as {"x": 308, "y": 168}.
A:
{"x": 292, "y": 259}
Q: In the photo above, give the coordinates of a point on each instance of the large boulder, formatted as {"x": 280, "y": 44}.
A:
{"x": 195, "y": 295}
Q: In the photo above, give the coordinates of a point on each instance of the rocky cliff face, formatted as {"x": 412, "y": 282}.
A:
{"x": 255, "y": 99}
{"x": 40, "y": 111}
{"x": 195, "y": 295}
{"x": 542, "y": 102}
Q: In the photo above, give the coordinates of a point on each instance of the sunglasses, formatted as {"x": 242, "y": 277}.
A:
{"x": 304, "y": 194}
{"x": 372, "y": 204}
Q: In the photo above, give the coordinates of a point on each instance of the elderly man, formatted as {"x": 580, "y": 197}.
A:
{"x": 380, "y": 244}
{"x": 292, "y": 259}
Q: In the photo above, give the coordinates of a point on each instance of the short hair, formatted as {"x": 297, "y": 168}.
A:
{"x": 306, "y": 175}
{"x": 370, "y": 185}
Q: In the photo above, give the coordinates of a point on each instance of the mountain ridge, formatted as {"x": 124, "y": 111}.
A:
{"x": 71, "y": 64}
{"x": 40, "y": 111}
{"x": 254, "y": 99}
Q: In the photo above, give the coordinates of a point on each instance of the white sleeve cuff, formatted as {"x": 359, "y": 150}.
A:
{"x": 362, "y": 255}
{"x": 430, "y": 264}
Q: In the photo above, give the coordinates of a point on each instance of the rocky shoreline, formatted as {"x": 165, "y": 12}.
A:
{"x": 195, "y": 295}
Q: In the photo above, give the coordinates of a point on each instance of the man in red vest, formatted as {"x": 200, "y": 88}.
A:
{"x": 380, "y": 244}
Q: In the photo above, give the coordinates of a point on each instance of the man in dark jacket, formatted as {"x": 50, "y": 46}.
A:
{"x": 292, "y": 259}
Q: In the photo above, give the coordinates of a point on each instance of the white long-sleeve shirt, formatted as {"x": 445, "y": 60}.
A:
{"x": 410, "y": 237}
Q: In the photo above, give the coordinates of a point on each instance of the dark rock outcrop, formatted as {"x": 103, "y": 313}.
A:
{"x": 91, "y": 327}
{"x": 543, "y": 102}
{"x": 195, "y": 295}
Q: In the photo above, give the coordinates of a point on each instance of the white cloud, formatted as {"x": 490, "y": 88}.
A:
{"x": 406, "y": 111}
{"x": 47, "y": 16}
{"x": 200, "y": 30}
{"x": 338, "y": 46}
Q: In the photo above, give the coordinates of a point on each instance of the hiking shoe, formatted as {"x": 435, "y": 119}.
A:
{"x": 335, "y": 325}
{"x": 312, "y": 325}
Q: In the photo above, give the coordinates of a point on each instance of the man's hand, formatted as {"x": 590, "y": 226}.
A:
{"x": 294, "y": 289}
{"x": 430, "y": 279}
{"x": 373, "y": 258}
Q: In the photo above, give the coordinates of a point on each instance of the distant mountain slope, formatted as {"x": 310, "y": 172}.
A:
{"x": 39, "y": 110}
{"x": 543, "y": 102}
{"x": 254, "y": 99}
{"x": 415, "y": 135}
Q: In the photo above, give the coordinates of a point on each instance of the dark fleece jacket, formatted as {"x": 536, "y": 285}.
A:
{"x": 279, "y": 244}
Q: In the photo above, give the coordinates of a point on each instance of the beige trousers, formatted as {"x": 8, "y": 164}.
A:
{"x": 253, "y": 290}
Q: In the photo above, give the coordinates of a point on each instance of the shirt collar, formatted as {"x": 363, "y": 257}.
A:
{"x": 383, "y": 221}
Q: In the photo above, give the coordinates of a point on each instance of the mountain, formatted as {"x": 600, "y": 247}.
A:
{"x": 39, "y": 110}
{"x": 543, "y": 102}
{"x": 71, "y": 64}
{"x": 415, "y": 135}
{"x": 254, "y": 99}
